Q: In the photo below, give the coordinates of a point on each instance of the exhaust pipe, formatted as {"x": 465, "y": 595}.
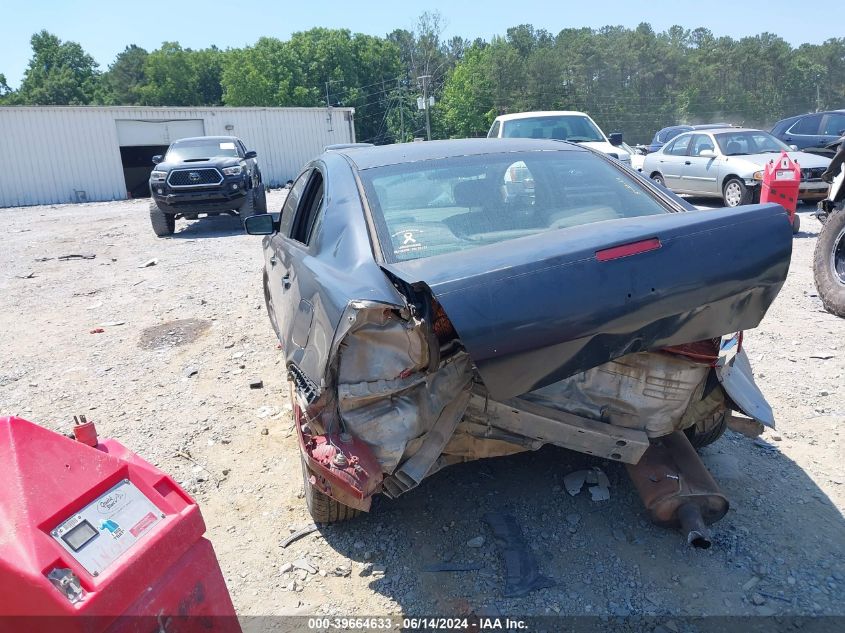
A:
{"x": 677, "y": 490}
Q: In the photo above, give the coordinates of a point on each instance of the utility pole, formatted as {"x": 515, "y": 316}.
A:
{"x": 424, "y": 79}
{"x": 401, "y": 110}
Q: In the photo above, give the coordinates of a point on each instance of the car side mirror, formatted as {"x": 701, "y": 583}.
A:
{"x": 794, "y": 148}
{"x": 261, "y": 224}
{"x": 615, "y": 138}
{"x": 158, "y": 158}
{"x": 707, "y": 153}
{"x": 251, "y": 154}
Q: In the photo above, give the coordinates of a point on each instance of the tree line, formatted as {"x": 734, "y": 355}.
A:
{"x": 632, "y": 80}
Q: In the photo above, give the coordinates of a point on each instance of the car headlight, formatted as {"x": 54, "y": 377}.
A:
{"x": 757, "y": 175}
{"x": 232, "y": 171}
{"x": 158, "y": 176}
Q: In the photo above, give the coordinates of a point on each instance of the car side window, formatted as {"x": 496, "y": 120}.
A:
{"x": 679, "y": 146}
{"x": 833, "y": 125}
{"x": 808, "y": 125}
{"x": 310, "y": 209}
{"x": 292, "y": 202}
{"x": 700, "y": 142}
{"x": 494, "y": 131}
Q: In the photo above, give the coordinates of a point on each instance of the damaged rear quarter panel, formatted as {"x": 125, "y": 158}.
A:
{"x": 337, "y": 268}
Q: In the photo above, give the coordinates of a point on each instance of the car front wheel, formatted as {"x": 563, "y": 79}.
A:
{"x": 658, "y": 178}
{"x": 735, "y": 193}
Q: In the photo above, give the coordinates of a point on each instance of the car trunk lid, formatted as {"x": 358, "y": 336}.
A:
{"x": 534, "y": 310}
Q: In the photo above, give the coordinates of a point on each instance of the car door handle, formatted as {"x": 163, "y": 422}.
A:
{"x": 286, "y": 281}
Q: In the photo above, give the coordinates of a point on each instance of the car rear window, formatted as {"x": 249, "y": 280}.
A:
{"x": 432, "y": 207}
{"x": 562, "y": 127}
{"x": 751, "y": 142}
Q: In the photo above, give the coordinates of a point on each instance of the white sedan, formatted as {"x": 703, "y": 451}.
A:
{"x": 728, "y": 163}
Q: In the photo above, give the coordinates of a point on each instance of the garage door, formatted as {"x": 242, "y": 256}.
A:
{"x": 132, "y": 133}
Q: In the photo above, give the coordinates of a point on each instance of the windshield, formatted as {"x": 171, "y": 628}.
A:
{"x": 432, "y": 207}
{"x": 564, "y": 127}
{"x": 744, "y": 143}
{"x": 200, "y": 149}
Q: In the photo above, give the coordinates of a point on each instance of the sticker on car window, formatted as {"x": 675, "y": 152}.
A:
{"x": 407, "y": 241}
{"x": 227, "y": 145}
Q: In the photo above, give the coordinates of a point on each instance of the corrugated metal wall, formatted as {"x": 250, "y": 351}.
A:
{"x": 51, "y": 153}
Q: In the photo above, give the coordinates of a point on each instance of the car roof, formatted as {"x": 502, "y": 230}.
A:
{"x": 379, "y": 156}
{"x": 720, "y": 130}
{"x": 795, "y": 117}
{"x": 206, "y": 138}
{"x": 539, "y": 113}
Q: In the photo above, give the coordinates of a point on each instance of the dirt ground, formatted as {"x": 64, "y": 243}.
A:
{"x": 171, "y": 372}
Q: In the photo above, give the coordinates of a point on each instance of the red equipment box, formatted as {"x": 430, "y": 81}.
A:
{"x": 93, "y": 539}
{"x": 781, "y": 182}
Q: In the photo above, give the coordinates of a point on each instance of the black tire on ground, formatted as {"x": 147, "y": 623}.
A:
{"x": 735, "y": 193}
{"x": 324, "y": 509}
{"x": 706, "y": 432}
{"x": 796, "y": 224}
{"x": 261, "y": 200}
{"x": 658, "y": 178}
{"x": 163, "y": 223}
{"x": 829, "y": 263}
{"x": 248, "y": 208}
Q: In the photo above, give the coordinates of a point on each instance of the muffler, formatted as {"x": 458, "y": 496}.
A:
{"x": 677, "y": 490}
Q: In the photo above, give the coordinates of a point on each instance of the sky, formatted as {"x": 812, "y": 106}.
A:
{"x": 105, "y": 28}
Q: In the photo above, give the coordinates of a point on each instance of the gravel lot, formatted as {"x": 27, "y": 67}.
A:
{"x": 183, "y": 338}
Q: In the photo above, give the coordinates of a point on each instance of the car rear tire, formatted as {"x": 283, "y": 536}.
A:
{"x": 735, "y": 193}
{"x": 163, "y": 223}
{"x": 796, "y": 224}
{"x": 706, "y": 432}
{"x": 658, "y": 178}
{"x": 323, "y": 509}
{"x": 829, "y": 264}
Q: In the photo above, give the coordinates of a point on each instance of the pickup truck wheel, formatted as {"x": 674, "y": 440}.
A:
{"x": 261, "y": 200}
{"x": 163, "y": 223}
{"x": 829, "y": 263}
{"x": 248, "y": 208}
{"x": 735, "y": 193}
{"x": 706, "y": 432}
{"x": 324, "y": 509}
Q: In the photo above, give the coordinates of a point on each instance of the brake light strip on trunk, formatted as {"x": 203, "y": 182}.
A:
{"x": 626, "y": 250}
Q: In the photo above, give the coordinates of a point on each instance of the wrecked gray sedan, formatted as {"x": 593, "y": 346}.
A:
{"x": 447, "y": 301}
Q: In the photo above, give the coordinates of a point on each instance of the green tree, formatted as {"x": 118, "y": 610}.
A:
{"x": 121, "y": 84}
{"x": 5, "y": 91}
{"x": 59, "y": 73}
{"x": 177, "y": 76}
{"x": 466, "y": 108}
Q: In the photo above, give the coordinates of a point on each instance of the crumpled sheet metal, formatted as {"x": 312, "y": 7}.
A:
{"x": 646, "y": 391}
{"x": 522, "y": 574}
{"x": 384, "y": 397}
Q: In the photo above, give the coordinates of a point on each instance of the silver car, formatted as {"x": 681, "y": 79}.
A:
{"x": 728, "y": 163}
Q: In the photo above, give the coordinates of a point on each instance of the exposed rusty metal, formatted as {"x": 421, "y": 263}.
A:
{"x": 677, "y": 490}
{"x": 344, "y": 470}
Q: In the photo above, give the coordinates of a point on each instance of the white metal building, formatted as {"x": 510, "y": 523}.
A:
{"x": 53, "y": 155}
